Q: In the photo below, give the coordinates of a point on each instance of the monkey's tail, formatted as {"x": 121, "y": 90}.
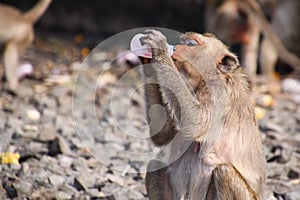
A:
{"x": 37, "y": 11}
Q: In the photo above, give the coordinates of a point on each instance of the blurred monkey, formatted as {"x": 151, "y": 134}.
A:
{"x": 16, "y": 34}
{"x": 243, "y": 21}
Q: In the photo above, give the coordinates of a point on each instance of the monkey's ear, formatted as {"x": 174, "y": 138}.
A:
{"x": 228, "y": 64}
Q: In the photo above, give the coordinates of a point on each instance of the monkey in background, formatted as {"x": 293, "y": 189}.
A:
{"x": 215, "y": 145}
{"x": 16, "y": 34}
{"x": 239, "y": 21}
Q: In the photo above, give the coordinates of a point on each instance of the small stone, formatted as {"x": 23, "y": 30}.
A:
{"x": 84, "y": 181}
{"x": 48, "y": 133}
{"x": 292, "y": 195}
{"x": 16, "y": 167}
{"x": 63, "y": 195}
{"x": 65, "y": 161}
{"x": 33, "y": 114}
{"x": 275, "y": 170}
{"x": 292, "y": 174}
{"x": 259, "y": 112}
{"x": 25, "y": 167}
{"x": 268, "y": 195}
{"x": 32, "y": 128}
{"x": 92, "y": 162}
{"x": 64, "y": 146}
{"x": 43, "y": 193}
{"x": 116, "y": 179}
{"x": 23, "y": 187}
{"x": 56, "y": 180}
{"x": 274, "y": 127}
{"x": 291, "y": 85}
{"x": 54, "y": 148}
{"x": 11, "y": 191}
{"x": 58, "y": 79}
{"x": 266, "y": 101}
{"x": 59, "y": 145}
{"x": 94, "y": 193}
{"x": 35, "y": 147}
{"x": 295, "y": 182}
{"x": 101, "y": 194}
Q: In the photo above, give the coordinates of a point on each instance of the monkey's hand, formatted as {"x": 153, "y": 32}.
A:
{"x": 158, "y": 43}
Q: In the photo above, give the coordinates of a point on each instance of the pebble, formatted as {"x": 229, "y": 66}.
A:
{"x": 23, "y": 187}
{"x": 65, "y": 161}
{"x": 84, "y": 181}
{"x": 63, "y": 195}
{"x": 293, "y": 195}
{"x": 291, "y": 85}
{"x": 47, "y": 133}
{"x": 33, "y": 115}
{"x": 94, "y": 193}
{"x": 56, "y": 180}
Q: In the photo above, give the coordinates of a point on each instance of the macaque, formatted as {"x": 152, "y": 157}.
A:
{"x": 16, "y": 34}
{"x": 215, "y": 146}
{"x": 243, "y": 21}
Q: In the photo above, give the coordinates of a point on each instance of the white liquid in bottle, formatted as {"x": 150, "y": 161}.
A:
{"x": 143, "y": 50}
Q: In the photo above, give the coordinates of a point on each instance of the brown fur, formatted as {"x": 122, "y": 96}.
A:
{"x": 16, "y": 34}
{"x": 214, "y": 111}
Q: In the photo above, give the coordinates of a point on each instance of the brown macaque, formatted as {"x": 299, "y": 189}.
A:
{"x": 16, "y": 34}
{"x": 215, "y": 149}
{"x": 243, "y": 21}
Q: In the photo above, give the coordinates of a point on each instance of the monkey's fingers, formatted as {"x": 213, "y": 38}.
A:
{"x": 155, "y": 33}
{"x": 156, "y": 41}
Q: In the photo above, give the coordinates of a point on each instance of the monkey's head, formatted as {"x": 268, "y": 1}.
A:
{"x": 209, "y": 56}
{"x": 233, "y": 22}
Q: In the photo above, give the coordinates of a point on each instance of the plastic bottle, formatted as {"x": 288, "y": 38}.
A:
{"x": 143, "y": 50}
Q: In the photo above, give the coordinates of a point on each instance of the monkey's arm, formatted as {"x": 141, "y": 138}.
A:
{"x": 161, "y": 131}
{"x": 184, "y": 107}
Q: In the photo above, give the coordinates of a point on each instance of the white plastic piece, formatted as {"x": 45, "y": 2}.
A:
{"x": 25, "y": 69}
{"x": 142, "y": 50}
{"x": 291, "y": 85}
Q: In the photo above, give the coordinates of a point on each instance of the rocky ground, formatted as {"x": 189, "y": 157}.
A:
{"x": 62, "y": 138}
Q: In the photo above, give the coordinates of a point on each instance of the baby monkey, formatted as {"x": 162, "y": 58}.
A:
{"x": 215, "y": 146}
{"x": 16, "y": 34}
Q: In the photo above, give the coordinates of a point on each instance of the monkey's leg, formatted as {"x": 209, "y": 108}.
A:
{"x": 11, "y": 58}
{"x": 158, "y": 182}
{"x": 250, "y": 51}
{"x": 268, "y": 58}
{"x": 230, "y": 185}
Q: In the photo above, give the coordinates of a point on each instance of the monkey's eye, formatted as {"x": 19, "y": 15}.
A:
{"x": 228, "y": 64}
{"x": 191, "y": 42}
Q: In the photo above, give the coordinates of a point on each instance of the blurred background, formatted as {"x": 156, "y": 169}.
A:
{"x": 97, "y": 20}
